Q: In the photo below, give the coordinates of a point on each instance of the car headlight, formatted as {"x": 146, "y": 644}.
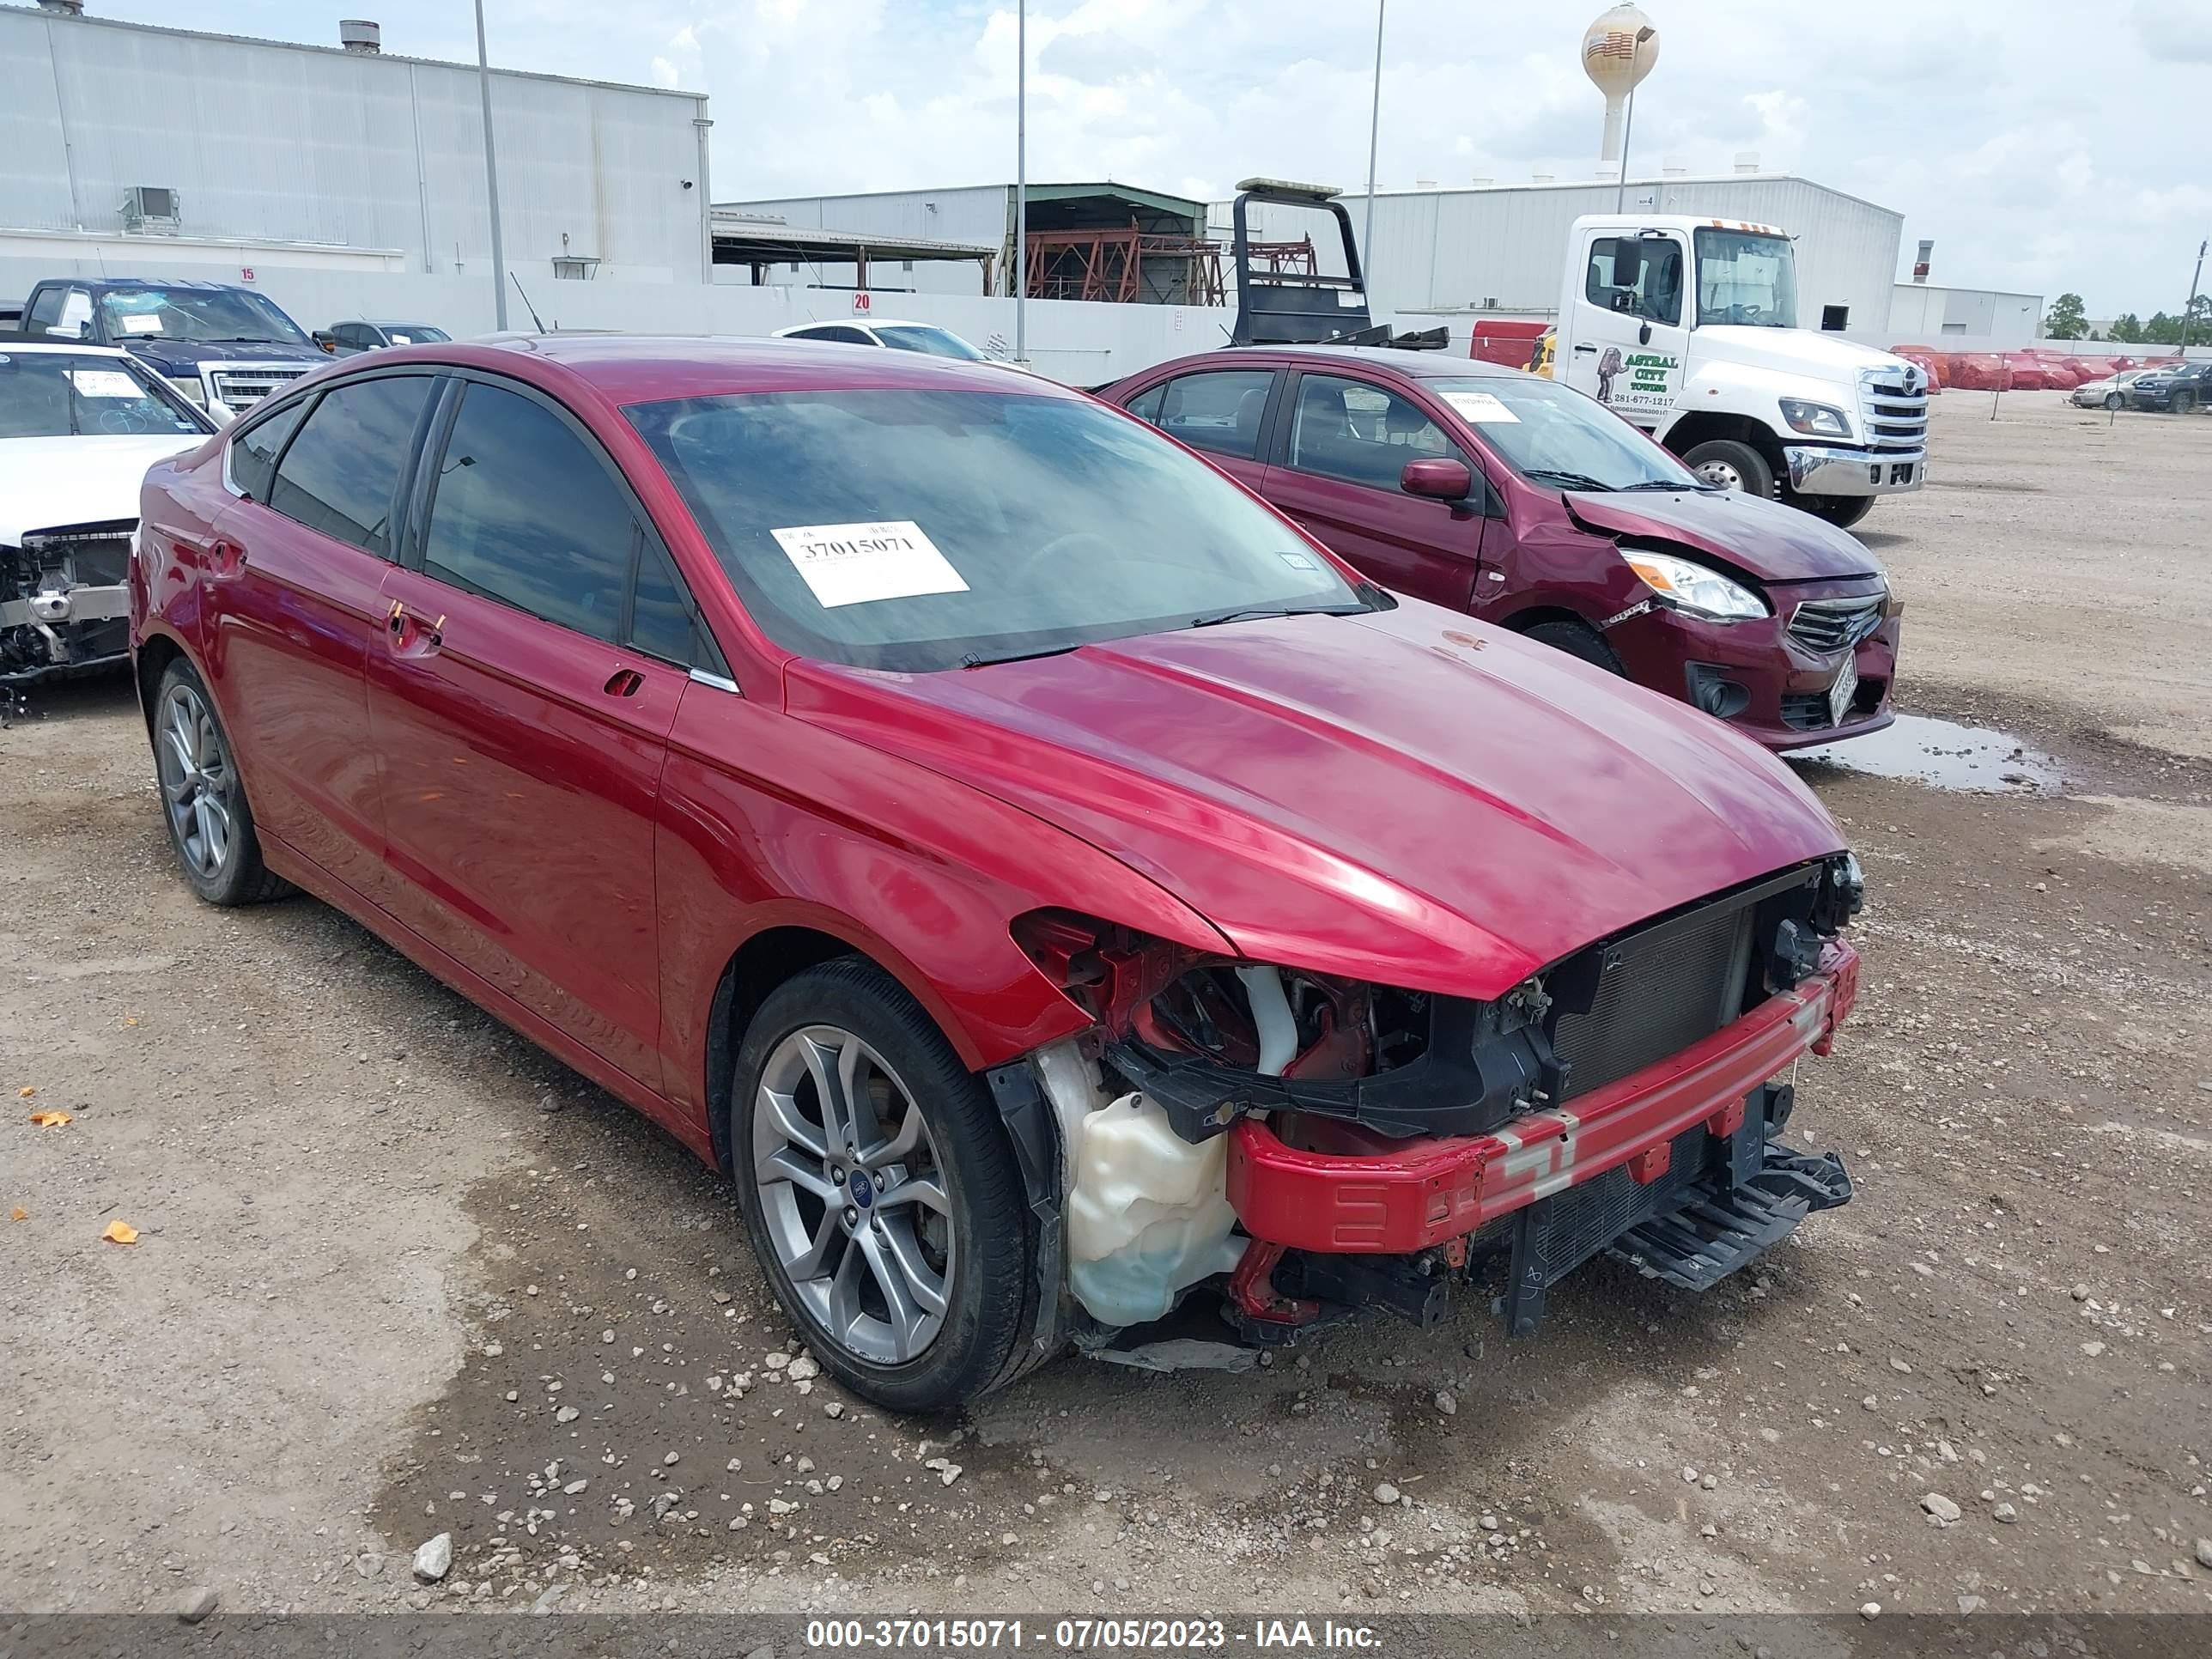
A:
{"x": 1815, "y": 420}
{"x": 190, "y": 390}
{"x": 1687, "y": 586}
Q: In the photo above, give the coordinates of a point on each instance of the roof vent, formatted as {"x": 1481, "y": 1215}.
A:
{"x": 359, "y": 34}
{"x": 1747, "y": 160}
{"x": 66, "y": 8}
{"x": 1541, "y": 178}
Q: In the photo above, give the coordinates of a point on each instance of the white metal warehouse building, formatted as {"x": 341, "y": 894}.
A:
{"x": 344, "y": 159}
{"x": 1501, "y": 249}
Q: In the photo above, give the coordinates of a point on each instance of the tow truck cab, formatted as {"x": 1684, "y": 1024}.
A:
{"x": 1689, "y": 328}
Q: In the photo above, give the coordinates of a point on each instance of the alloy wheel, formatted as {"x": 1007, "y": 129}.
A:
{"x": 199, "y": 784}
{"x": 852, "y": 1194}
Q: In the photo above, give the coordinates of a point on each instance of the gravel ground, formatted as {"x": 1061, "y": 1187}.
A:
{"x": 398, "y": 1275}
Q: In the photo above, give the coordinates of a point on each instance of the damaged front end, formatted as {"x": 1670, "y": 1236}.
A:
{"x": 1316, "y": 1145}
{"x": 64, "y": 604}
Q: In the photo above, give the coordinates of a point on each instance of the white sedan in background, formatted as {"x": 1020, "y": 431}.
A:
{"x": 79, "y": 426}
{"x": 927, "y": 338}
{"x": 2110, "y": 393}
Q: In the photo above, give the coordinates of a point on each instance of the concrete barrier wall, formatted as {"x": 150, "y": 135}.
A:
{"x": 1075, "y": 341}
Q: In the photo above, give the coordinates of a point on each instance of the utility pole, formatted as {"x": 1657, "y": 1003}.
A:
{"x": 491, "y": 176}
{"x": 1628, "y": 130}
{"x": 1374, "y": 127}
{"x": 1021, "y": 181}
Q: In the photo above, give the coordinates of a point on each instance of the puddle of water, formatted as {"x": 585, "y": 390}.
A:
{"x": 1941, "y": 754}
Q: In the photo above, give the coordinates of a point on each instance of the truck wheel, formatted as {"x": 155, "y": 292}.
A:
{"x": 1841, "y": 511}
{"x": 880, "y": 1190}
{"x": 1732, "y": 466}
{"x": 1577, "y": 639}
{"x": 2183, "y": 401}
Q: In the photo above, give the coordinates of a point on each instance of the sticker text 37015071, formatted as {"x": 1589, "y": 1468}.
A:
{"x": 854, "y": 563}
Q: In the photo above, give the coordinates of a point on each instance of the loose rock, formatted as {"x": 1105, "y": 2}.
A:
{"x": 196, "y": 1605}
{"x": 434, "y": 1559}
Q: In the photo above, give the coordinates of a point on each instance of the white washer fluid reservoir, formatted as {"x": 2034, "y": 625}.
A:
{"x": 1149, "y": 1213}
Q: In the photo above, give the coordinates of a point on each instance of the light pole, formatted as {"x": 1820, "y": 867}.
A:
{"x": 491, "y": 178}
{"x": 1374, "y": 127}
{"x": 1021, "y": 181}
{"x": 2189, "y": 311}
{"x": 1628, "y": 128}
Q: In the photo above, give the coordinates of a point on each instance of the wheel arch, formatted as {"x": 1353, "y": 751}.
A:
{"x": 150, "y": 662}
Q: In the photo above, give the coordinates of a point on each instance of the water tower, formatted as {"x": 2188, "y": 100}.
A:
{"x": 1619, "y": 50}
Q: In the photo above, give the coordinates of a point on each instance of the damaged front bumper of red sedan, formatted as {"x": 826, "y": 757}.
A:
{"x": 1628, "y": 1100}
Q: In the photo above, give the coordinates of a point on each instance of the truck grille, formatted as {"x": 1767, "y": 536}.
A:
{"x": 246, "y": 385}
{"x": 1659, "y": 990}
{"x": 1893, "y": 407}
{"x": 1831, "y": 625}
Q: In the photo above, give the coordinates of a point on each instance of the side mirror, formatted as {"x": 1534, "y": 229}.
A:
{"x": 1644, "y": 335}
{"x": 328, "y": 340}
{"x": 1438, "y": 479}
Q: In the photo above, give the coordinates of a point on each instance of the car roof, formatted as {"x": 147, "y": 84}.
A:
{"x": 628, "y": 368}
{"x": 1413, "y": 365}
{"x": 148, "y": 282}
{"x": 388, "y": 322}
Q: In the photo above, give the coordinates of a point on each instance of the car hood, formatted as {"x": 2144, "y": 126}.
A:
{"x": 48, "y": 483}
{"x": 1793, "y": 350}
{"x": 184, "y": 358}
{"x": 1407, "y": 797}
{"x": 1774, "y": 542}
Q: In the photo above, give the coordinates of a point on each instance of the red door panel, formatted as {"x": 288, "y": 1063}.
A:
{"x": 522, "y": 763}
{"x": 1408, "y": 544}
{"x": 289, "y": 616}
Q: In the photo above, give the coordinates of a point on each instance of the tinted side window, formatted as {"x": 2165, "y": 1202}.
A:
{"x": 1361, "y": 433}
{"x": 1218, "y": 410}
{"x": 1636, "y": 276}
{"x": 341, "y": 471}
{"x": 525, "y": 513}
{"x": 46, "y": 311}
{"x": 1146, "y": 405}
{"x": 660, "y": 611}
{"x": 253, "y": 453}
{"x": 839, "y": 333}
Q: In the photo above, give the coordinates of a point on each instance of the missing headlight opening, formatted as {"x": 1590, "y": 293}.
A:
{"x": 1324, "y": 1145}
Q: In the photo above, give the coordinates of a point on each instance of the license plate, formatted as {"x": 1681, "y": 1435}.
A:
{"x": 1845, "y": 688}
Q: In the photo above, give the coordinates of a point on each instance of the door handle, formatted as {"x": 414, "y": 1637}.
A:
{"x": 225, "y": 557}
{"x": 1586, "y": 348}
{"x": 410, "y": 634}
{"x": 624, "y": 682}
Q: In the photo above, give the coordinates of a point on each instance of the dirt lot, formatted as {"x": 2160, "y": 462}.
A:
{"x": 398, "y": 1274}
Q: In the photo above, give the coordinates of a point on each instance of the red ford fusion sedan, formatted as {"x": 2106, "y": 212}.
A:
{"x": 1048, "y": 882}
{"x": 1528, "y": 504}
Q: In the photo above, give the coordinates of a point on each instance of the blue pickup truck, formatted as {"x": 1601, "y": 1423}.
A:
{"x": 221, "y": 347}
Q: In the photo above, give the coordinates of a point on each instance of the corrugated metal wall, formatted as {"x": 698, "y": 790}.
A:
{"x": 970, "y": 213}
{"x": 265, "y": 140}
{"x": 1504, "y": 248}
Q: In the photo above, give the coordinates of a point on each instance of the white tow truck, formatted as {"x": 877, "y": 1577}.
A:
{"x": 1688, "y": 327}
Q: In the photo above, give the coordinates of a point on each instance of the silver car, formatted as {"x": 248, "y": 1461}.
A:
{"x": 2110, "y": 393}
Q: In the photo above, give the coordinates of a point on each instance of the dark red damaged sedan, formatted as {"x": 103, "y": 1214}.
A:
{"x": 1534, "y": 506}
{"x": 1049, "y": 881}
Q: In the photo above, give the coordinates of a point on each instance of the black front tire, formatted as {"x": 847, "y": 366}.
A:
{"x": 234, "y": 875}
{"x": 1841, "y": 511}
{"x": 2184, "y": 403}
{"x": 1577, "y": 639}
{"x": 1733, "y": 465}
{"x": 991, "y": 1292}
{"x": 2113, "y": 400}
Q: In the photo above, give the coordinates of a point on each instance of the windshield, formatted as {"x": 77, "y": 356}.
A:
{"x": 1555, "y": 435}
{"x": 1746, "y": 276}
{"x": 402, "y": 334}
{"x": 203, "y": 313}
{"x": 919, "y": 530}
{"x": 54, "y": 394}
{"x": 936, "y": 342}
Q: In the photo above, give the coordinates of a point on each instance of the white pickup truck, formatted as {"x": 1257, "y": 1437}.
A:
{"x": 1689, "y": 328}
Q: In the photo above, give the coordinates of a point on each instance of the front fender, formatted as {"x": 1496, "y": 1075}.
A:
{"x": 1753, "y": 391}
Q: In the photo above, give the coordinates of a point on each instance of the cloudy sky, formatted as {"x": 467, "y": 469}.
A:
{"x": 2044, "y": 145}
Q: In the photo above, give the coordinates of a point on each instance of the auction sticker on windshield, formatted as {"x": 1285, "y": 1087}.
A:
{"x": 104, "y": 383}
{"x": 139, "y": 323}
{"x": 856, "y": 563}
{"x": 1480, "y": 408}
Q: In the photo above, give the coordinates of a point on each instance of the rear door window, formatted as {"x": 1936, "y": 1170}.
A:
{"x": 525, "y": 512}
{"x": 1362, "y": 433}
{"x": 341, "y": 474}
{"x": 1218, "y": 410}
